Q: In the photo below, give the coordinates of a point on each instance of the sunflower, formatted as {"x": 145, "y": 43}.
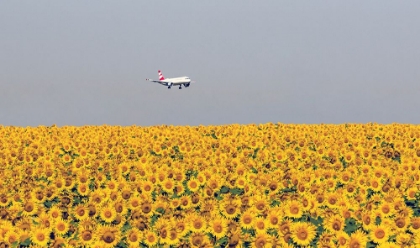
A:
{"x": 198, "y": 239}
{"x": 29, "y": 208}
{"x": 133, "y": 237}
{"x": 150, "y": 238}
{"x": 379, "y": 234}
{"x": 404, "y": 239}
{"x": 261, "y": 224}
{"x": 61, "y": 227}
{"x": 108, "y": 236}
{"x": 415, "y": 225}
{"x": 386, "y": 209}
{"x": 120, "y": 207}
{"x": 303, "y": 233}
{"x": 411, "y": 192}
{"x": 147, "y": 187}
{"x": 389, "y": 244}
{"x": 146, "y": 208}
{"x": 50, "y": 192}
{"x": 247, "y": 219}
{"x": 44, "y": 220}
{"x": 174, "y": 203}
{"x": 83, "y": 189}
{"x": 401, "y": 223}
{"x": 12, "y": 236}
{"x": 55, "y": 212}
{"x": 293, "y": 209}
{"x": 368, "y": 220}
{"x": 168, "y": 185}
{"x": 273, "y": 217}
{"x": 108, "y": 213}
{"x": 38, "y": 195}
{"x": 193, "y": 185}
{"x": 134, "y": 202}
{"x": 196, "y": 223}
{"x": 358, "y": 239}
{"x": 230, "y": 208}
{"x": 195, "y": 200}
{"x": 342, "y": 238}
{"x": 173, "y": 237}
{"x": 180, "y": 226}
{"x": 261, "y": 240}
{"x": 40, "y": 236}
{"x": 334, "y": 223}
{"x": 179, "y": 189}
{"x": 185, "y": 202}
{"x": 217, "y": 227}
{"x": 81, "y": 212}
{"x": 260, "y": 202}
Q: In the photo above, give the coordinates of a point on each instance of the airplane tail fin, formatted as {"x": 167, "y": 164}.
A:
{"x": 161, "y": 77}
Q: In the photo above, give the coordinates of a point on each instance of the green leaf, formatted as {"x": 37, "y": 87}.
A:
{"x": 160, "y": 210}
{"x": 351, "y": 226}
{"x": 274, "y": 203}
{"x": 236, "y": 191}
{"x": 27, "y": 242}
{"x": 222, "y": 242}
{"x": 126, "y": 227}
{"x": 224, "y": 189}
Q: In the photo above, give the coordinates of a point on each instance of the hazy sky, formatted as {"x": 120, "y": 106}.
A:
{"x": 84, "y": 62}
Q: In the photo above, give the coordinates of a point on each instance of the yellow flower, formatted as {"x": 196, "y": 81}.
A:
{"x": 274, "y": 217}
{"x": 168, "y": 185}
{"x": 193, "y": 185}
{"x": 108, "y": 236}
{"x": 29, "y": 208}
{"x": 293, "y": 209}
{"x": 368, "y": 220}
{"x": 83, "y": 189}
{"x": 197, "y": 223}
{"x": 247, "y": 219}
{"x": 260, "y": 202}
{"x": 40, "y": 236}
{"x": 230, "y": 208}
{"x": 415, "y": 225}
{"x": 81, "y": 212}
{"x": 150, "y": 238}
{"x": 342, "y": 238}
{"x": 334, "y": 223}
{"x": 108, "y": 213}
{"x": 86, "y": 236}
{"x": 303, "y": 233}
{"x": 379, "y": 234}
{"x": 217, "y": 227}
{"x": 185, "y": 202}
{"x": 410, "y": 193}
{"x": 12, "y": 235}
{"x": 358, "y": 239}
{"x": 61, "y": 226}
{"x": 133, "y": 236}
{"x": 261, "y": 224}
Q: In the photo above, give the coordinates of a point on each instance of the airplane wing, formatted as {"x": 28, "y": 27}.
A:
{"x": 157, "y": 81}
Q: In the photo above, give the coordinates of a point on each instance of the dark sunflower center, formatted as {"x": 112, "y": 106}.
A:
{"x": 108, "y": 237}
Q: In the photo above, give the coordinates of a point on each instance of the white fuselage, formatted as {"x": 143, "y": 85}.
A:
{"x": 176, "y": 81}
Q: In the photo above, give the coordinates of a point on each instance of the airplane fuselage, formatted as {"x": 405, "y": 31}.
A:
{"x": 176, "y": 81}
{"x": 169, "y": 82}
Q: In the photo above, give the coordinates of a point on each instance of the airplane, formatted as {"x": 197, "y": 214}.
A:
{"x": 169, "y": 82}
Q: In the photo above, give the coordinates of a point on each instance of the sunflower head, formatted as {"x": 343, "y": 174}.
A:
{"x": 303, "y": 233}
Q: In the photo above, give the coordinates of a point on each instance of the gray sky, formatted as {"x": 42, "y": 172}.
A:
{"x": 84, "y": 62}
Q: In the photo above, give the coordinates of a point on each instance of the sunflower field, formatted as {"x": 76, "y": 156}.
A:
{"x": 267, "y": 185}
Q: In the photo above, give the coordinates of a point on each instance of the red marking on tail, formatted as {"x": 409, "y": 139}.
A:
{"x": 161, "y": 77}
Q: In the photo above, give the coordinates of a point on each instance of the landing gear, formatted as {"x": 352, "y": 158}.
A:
{"x": 180, "y": 87}
{"x": 169, "y": 87}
